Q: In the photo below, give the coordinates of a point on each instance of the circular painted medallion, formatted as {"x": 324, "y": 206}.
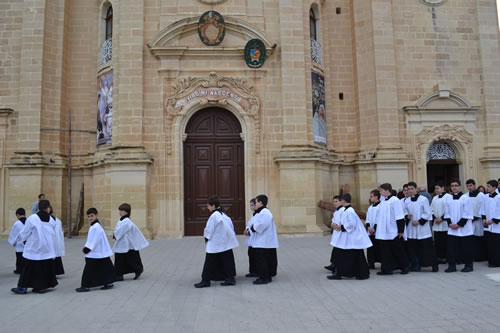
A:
{"x": 255, "y": 53}
{"x": 433, "y": 3}
{"x": 211, "y": 28}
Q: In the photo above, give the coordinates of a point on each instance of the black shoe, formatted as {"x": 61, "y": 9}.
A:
{"x": 405, "y": 270}
{"x": 384, "y": 273}
{"x": 19, "y": 291}
{"x": 467, "y": 269}
{"x": 40, "y": 291}
{"x": 330, "y": 268}
{"x": 228, "y": 283}
{"x": 450, "y": 270}
{"x": 334, "y": 277}
{"x": 137, "y": 274}
{"x": 251, "y": 275}
{"x": 107, "y": 286}
{"x": 202, "y": 284}
{"x": 435, "y": 268}
{"x": 82, "y": 290}
{"x": 261, "y": 281}
{"x": 119, "y": 278}
{"x": 17, "y": 272}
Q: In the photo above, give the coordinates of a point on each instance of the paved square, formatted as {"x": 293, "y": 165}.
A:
{"x": 300, "y": 299}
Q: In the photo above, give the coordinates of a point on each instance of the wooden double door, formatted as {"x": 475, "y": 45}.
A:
{"x": 213, "y": 165}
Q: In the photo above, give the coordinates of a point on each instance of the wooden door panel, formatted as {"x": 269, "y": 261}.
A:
{"x": 213, "y": 165}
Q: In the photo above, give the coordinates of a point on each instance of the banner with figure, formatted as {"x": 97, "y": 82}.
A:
{"x": 319, "y": 110}
{"x": 104, "y": 108}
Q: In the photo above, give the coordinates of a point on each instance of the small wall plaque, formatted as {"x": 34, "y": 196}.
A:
{"x": 255, "y": 53}
{"x": 211, "y": 28}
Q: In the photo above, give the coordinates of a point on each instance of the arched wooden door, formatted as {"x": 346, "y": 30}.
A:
{"x": 213, "y": 165}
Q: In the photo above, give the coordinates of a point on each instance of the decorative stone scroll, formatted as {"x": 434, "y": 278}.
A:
{"x": 454, "y": 135}
{"x": 224, "y": 91}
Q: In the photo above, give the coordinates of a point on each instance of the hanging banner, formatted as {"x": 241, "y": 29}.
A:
{"x": 319, "y": 110}
{"x": 104, "y": 108}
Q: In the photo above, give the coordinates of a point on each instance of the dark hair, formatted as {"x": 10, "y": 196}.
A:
{"x": 43, "y": 205}
{"x": 338, "y": 197}
{"x": 492, "y": 183}
{"x": 470, "y": 181}
{"x": 262, "y": 198}
{"x": 125, "y": 207}
{"x": 51, "y": 211}
{"x": 214, "y": 201}
{"x": 376, "y": 193}
{"x": 412, "y": 184}
{"x": 20, "y": 211}
{"x": 386, "y": 187}
{"x": 92, "y": 211}
{"x": 253, "y": 201}
{"x": 41, "y": 195}
{"x": 394, "y": 192}
{"x": 400, "y": 195}
{"x": 440, "y": 184}
{"x": 455, "y": 180}
{"x": 405, "y": 186}
{"x": 346, "y": 197}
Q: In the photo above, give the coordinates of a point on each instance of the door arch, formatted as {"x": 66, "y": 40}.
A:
{"x": 442, "y": 165}
{"x": 213, "y": 165}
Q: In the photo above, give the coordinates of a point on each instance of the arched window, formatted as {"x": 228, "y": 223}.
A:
{"x": 313, "y": 25}
{"x": 441, "y": 151}
{"x": 109, "y": 23}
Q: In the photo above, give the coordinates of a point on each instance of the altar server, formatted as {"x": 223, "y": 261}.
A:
{"x": 390, "y": 233}
{"x": 39, "y": 271}
{"x": 476, "y": 200}
{"x": 129, "y": 240}
{"x": 220, "y": 241}
{"x": 460, "y": 229}
{"x": 266, "y": 242}
{"x": 252, "y": 266}
{"x": 99, "y": 270}
{"x": 440, "y": 226}
{"x": 491, "y": 218}
{"x": 373, "y": 252}
{"x": 59, "y": 244}
{"x": 353, "y": 239}
{"x": 420, "y": 247}
{"x": 15, "y": 238}
{"x": 339, "y": 209}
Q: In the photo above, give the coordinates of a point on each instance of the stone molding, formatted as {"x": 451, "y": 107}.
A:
{"x": 456, "y": 136}
{"x": 212, "y": 2}
{"x": 164, "y": 42}
{"x": 183, "y": 88}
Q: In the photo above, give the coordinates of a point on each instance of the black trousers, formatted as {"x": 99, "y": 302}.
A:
{"x": 267, "y": 263}
{"x": 493, "y": 249}
{"x": 252, "y": 265}
{"x": 97, "y": 272}
{"x": 19, "y": 262}
{"x": 38, "y": 274}
{"x": 393, "y": 254}
{"x": 460, "y": 249}
{"x": 129, "y": 262}
{"x": 351, "y": 263}
{"x": 440, "y": 243}
{"x": 373, "y": 252}
{"x": 219, "y": 266}
{"x": 422, "y": 252}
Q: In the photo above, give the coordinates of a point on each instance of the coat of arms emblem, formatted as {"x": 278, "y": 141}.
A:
{"x": 255, "y": 53}
{"x": 211, "y": 28}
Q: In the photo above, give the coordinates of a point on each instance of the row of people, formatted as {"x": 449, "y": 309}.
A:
{"x": 401, "y": 236}
{"x": 37, "y": 241}
{"x": 220, "y": 238}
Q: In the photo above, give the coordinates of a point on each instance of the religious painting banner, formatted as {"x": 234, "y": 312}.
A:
{"x": 104, "y": 108}
{"x": 319, "y": 110}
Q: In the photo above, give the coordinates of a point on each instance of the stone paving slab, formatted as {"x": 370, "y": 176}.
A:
{"x": 300, "y": 298}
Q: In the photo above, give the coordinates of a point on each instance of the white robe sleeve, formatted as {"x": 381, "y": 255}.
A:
{"x": 27, "y": 230}
{"x": 212, "y": 223}
{"x": 467, "y": 210}
{"x": 122, "y": 228}
{"x": 349, "y": 223}
{"x": 15, "y": 233}
{"x": 262, "y": 222}
{"x": 91, "y": 239}
{"x": 398, "y": 210}
{"x": 427, "y": 212}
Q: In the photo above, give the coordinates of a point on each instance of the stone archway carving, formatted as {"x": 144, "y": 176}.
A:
{"x": 192, "y": 91}
{"x": 456, "y": 136}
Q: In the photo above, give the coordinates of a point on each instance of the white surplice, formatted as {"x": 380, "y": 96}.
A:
{"x": 128, "y": 237}
{"x": 219, "y": 233}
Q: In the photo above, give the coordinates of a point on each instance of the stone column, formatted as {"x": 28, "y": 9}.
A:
{"x": 489, "y": 51}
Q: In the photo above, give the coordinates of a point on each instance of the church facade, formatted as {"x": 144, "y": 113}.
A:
{"x": 163, "y": 103}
